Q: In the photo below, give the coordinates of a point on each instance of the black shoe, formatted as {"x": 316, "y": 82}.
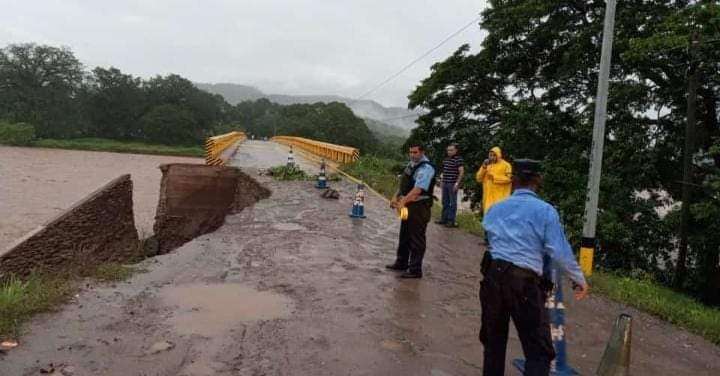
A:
{"x": 451, "y": 225}
{"x": 439, "y": 223}
{"x": 410, "y": 275}
{"x": 395, "y": 267}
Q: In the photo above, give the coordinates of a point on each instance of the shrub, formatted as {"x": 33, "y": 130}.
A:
{"x": 18, "y": 134}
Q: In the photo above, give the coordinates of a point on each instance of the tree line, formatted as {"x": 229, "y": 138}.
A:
{"x": 48, "y": 88}
{"x": 531, "y": 89}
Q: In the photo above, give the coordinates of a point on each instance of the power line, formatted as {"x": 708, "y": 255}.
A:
{"x": 406, "y": 67}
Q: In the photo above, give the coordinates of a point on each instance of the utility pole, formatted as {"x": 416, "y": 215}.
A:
{"x": 689, "y": 150}
{"x": 587, "y": 245}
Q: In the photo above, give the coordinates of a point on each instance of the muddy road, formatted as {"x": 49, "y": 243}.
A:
{"x": 293, "y": 286}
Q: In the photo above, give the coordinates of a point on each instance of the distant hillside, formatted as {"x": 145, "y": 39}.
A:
{"x": 233, "y": 93}
{"x": 386, "y": 130}
{"x": 395, "y": 116}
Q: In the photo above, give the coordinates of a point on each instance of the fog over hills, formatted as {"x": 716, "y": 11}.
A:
{"x": 395, "y": 116}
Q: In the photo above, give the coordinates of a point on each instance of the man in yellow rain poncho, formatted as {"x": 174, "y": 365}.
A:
{"x": 495, "y": 175}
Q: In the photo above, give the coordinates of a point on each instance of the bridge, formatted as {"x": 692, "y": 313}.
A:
{"x": 293, "y": 286}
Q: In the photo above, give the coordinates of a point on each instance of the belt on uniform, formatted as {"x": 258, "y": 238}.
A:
{"x": 512, "y": 269}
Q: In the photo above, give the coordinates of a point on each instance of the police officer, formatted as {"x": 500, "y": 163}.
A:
{"x": 416, "y": 187}
{"x": 522, "y": 231}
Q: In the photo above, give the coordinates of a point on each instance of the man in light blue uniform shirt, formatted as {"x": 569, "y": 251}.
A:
{"x": 522, "y": 232}
{"x": 415, "y": 193}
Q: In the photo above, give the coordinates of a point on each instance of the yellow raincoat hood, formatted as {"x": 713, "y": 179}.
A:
{"x": 496, "y": 180}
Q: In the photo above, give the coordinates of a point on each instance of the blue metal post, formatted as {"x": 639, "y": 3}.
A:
{"x": 556, "y": 314}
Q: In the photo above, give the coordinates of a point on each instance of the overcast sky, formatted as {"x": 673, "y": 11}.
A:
{"x": 280, "y": 46}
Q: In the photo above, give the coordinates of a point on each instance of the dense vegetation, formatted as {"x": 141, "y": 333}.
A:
{"x": 528, "y": 90}
{"x": 332, "y": 122}
{"x": 50, "y": 92}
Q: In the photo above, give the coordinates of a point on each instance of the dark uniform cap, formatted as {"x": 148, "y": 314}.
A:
{"x": 527, "y": 167}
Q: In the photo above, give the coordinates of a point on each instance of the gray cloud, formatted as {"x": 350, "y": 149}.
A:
{"x": 285, "y": 47}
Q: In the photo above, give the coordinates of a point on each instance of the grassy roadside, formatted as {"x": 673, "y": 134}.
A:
{"x": 101, "y": 144}
{"x": 20, "y": 299}
{"x": 662, "y": 302}
{"x": 645, "y": 295}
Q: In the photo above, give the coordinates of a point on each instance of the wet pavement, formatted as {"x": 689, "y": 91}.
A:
{"x": 293, "y": 286}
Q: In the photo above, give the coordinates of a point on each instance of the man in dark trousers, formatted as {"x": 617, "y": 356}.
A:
{"x": 451, "y": 179}
{"x": 522, "y": 232}
{"x": 415, "y": 194}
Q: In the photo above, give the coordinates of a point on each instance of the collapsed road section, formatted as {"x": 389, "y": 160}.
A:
{"x": 194, "y": 200}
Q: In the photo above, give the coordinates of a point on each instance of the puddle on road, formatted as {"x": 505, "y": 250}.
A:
{"x": 212, "y": 309}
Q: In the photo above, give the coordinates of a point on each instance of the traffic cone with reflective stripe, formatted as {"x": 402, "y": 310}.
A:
{"x": 291, "y": 158}
{"x": 358, "y": 209}
{"x": 322, "y": 179}
{"x": 616, "y": 358}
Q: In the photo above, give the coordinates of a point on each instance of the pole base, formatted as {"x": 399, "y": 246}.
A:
{"x": 565, "y": 371}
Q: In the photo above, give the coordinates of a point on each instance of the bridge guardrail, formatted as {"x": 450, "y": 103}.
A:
{"x": 217, "y": 148}
{"x": 336, "y": 153}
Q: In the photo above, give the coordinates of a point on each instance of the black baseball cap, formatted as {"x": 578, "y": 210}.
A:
{"x": 527, "y": 167}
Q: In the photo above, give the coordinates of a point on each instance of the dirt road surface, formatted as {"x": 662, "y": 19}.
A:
{"x": 36, "y": 184}
{"x": 293, "y": 286}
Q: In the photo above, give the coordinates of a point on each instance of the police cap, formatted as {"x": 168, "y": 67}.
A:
{"x": 527, "y": 168}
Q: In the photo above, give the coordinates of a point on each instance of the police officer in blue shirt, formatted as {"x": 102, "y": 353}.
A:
{"x": 415, "y": 193}
{"x": 522, "y": 231}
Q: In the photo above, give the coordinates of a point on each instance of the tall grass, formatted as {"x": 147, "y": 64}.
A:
{"x": 465, "y": 219}
{"x": 666, "y": 304}
{"x": 20, "y": 300}
{"x": 381, "y": 174}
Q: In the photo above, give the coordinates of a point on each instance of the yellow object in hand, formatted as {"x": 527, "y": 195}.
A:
{"x": 403, "y": 214}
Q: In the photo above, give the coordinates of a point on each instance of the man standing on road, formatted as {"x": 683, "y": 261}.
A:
{"x": 495, "y": 177}
{"x": 415, "y": 194}
{"x": 451, "y": 179}
{"x": 522, "y": 231}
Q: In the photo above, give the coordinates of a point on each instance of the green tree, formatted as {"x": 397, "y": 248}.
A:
{"x": 205, "y": 109}
{"x": 39, "y": 85}
{"x": 529, "y": 91}
{"x": 171, "y": 125}
{"x": 115, "y": 104}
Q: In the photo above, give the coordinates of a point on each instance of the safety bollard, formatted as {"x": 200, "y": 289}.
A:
{"x": 556, "y": 314}
{"x": 322, "y": 179}
{"x": 616, "y": 358}
{"x": 358, "y": 209}
{"x": 291, "y": 158}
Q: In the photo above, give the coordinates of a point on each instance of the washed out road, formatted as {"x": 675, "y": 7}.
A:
{"x": 293, "y": 286}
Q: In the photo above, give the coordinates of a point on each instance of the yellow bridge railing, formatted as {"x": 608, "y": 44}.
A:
{"x": 218, "y": 149}
{"x": 337, "y": 153}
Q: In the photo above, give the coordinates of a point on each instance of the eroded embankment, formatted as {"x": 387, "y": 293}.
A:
{"x": 194, "y": 200}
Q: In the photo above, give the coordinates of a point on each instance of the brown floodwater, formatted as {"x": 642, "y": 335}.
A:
{"x": 36, "y": 184}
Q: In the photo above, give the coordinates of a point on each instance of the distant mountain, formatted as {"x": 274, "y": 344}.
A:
{"x": 396, "y": 116}
{"x": 233, "y": 93}
{"x": 386, "y": 130}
